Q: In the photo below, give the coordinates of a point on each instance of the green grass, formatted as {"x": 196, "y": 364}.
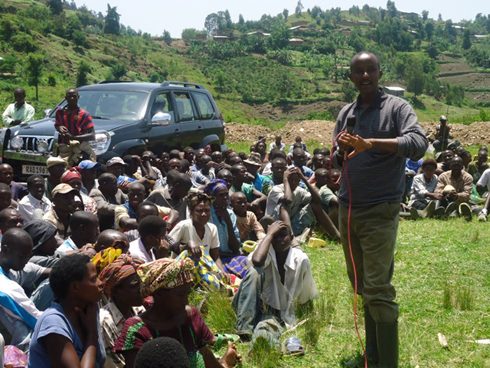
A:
{"x": 442, "y": 281}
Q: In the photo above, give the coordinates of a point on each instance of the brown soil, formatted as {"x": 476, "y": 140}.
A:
{"x": 322, "y": 131}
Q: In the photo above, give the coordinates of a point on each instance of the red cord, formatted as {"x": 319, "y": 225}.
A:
{"x": 345, "y": 170}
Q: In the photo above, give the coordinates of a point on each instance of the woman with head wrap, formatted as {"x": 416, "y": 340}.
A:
{"x": 170, "y": 282}
{"x": 121, "y": 284}
{"x": 74, "y": 179}
{"x": 43, "y": 234}
{"x": 223, "y": 217}
{"x": 197, "y": 229}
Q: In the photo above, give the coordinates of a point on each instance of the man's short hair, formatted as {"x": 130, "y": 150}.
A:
{"x": 356, "y": 56}
{"x": 20, "y": 90}
{"x": 175, "y": 153}
{"x": 68, "y": 269}
{"x": 181, "y": 179}
{"x": 162, "y": 352}
{"x": 106, "y": 178}
{"x": 15, "y": 235}
{"x": 429, "y": 162}
{"x": 151, "y": 225}
{"x": 81, "y": 218}
{"x": 31, "y": 179}
{"x": 276, "y": 152}
{"x": 146, "y": 204}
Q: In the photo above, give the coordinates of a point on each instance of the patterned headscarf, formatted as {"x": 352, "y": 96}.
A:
{"x": 214, "y": 186}
{"x": 105, "y": 257}
{"x": 69, "y": 174}
{"x": 115, "y": 273}
{"x": 194, "y": 198}
{"x": 164, "y": 273}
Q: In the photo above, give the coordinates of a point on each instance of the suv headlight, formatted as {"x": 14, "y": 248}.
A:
{"x": 16, "y": 143}
{"x": 42, "y": 145}
{"x": 101, "y": 143}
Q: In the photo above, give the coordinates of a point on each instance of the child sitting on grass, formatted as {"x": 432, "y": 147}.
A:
{"x": 279, "y": 278}
{"x": 248, "y": 226}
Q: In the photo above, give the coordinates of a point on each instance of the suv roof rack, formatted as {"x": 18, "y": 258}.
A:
{"x": 114, "y": 81}
{"x": 185, "y": 84}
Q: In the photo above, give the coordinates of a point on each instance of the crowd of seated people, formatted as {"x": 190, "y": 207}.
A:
{"x": 452, "y": 185}
{"x": 99, "y": 259}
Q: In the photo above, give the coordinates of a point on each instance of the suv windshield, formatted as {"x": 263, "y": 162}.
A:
{"x": 117, "y": 105}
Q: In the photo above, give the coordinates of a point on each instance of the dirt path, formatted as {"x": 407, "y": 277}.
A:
{"x": 321, "y": 131}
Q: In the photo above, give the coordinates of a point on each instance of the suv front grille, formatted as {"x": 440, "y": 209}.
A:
{"x": 30, "y": 143}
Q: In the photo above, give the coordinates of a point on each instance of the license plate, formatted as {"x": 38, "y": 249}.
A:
{"x": 33, "y": 169}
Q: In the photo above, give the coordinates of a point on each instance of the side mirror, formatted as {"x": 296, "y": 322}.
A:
{"x": 161, "y": 118}
{"x": 47, "y": 112}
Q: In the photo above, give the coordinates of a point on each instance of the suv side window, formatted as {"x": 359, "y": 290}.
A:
{"x": 206, "y": 110}
{"x": 184, "y": 106}
{"x": 162, "y": 103}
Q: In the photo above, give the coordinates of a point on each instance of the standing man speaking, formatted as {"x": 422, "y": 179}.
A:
{"x": 379, "y": 131}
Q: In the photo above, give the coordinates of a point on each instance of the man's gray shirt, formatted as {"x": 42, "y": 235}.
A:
{"x": 376, "y": 175}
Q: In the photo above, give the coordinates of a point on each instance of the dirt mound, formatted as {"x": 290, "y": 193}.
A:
{"x": 322, "y": 131}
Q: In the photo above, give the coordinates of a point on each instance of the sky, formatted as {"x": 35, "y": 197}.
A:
{"x": 154, "y": 16}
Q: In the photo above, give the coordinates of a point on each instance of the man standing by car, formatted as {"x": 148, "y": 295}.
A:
{"x": 386, "y": 131}
{"x": 18, "y": 112}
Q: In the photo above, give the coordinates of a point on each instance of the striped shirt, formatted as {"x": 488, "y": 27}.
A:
{"x": 76, "y": 121}
{"x": 378, "y": 176}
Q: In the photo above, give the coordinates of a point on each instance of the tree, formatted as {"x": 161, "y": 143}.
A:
{"x": 466, "y": 40}
{"x": 414, "y": 75}
{"x": 280, "y": 35}
{"x": 79, "y": 38}
{"x": 425, "y": 14}
{"x": 211, "y": 23}
{"x": 241, "y": 20}
{"x": 56, "y": 6}
{"x": 167, "y": 38}
{"x": 439, "y": 17}
{"x": 112, "y": 25}
{"x": 391, "y": 9}
{"x": 119, "y": 70}
{"x": 189, "y": 34}
{"x": 82, "y": 75}
{"x": 298, "y": 9}
{"x": 285, "y": 14}
{"x": 34, "y": 70}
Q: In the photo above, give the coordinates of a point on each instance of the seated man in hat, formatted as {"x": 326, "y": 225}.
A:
{"x": 56, "y": 167}
{"x": 88, "y": 171}
{"x": 62, "y": 207}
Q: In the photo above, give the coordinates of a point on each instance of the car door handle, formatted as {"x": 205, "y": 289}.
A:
{"x": 199, "y": 128}
{"x": 177, "y": 131}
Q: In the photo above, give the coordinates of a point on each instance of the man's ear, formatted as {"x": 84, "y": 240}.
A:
{"x": 350, "y": 77}
{"x": 74, "y": 287}
{"x": 380, "y": 74}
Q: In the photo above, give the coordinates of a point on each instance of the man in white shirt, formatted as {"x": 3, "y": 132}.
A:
{"x": 18, "y": 312}
{"x": 279, "y": 278}
{"x": 20, "y": 111}
{"x": 85, "y": 230}
{"x": 35, "y": 204}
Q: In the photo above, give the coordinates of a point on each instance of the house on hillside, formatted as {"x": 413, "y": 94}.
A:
{"x": 221, "y": 38}
{"x": 296, "y": 41}
{"x": 303, "y": 23}
{"x": 258, "y": 33}
{"x": 395, "y": 91}
{"x": 480, "y": 37}
{"x": 201, "y": 36}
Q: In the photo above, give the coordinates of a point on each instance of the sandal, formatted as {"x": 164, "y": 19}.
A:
{"x": 293, "y": 347}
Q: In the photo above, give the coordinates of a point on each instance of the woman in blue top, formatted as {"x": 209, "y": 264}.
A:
{"x": 68, "y": 333}
{"x": 225, "y": 220}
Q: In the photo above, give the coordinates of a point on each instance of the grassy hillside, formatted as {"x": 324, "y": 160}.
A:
{"x": 255, "y": 79}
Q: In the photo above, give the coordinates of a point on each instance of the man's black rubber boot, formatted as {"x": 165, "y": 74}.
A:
{"x": 371, "y": 339}
{"x": 387, "y": 334}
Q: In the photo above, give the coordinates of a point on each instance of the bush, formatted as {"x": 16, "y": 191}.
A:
{"x": 23, "y": 42}
{"x": 52, "y": 80}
